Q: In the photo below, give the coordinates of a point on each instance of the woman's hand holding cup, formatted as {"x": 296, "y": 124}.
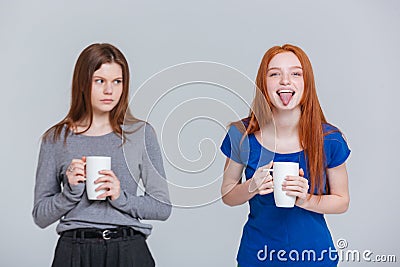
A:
{"x": 262, "y": 181}
{"x": 296, "y": 186}
{"x": 76, "y": 171}
{"x": 110, "y": 183}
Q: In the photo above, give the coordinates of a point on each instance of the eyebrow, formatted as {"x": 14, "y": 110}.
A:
{"x": 276, "y": 68}
{"x": 97, "y": 76}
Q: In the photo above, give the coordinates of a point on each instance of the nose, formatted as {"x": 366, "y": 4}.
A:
{"x": 285, "y": 80}
{"x": 108, "y": 89}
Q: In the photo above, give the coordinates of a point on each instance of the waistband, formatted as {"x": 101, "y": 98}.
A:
{"x": 105, "y": 234}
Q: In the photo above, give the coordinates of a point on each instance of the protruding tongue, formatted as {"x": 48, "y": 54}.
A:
{"x": 285, "y": 98}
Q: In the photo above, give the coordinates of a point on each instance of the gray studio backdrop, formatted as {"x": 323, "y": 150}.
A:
{"x": 353, "y": 46}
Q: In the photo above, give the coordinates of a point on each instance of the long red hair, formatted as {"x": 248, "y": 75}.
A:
{"x": 90, "y": 60}
{"x": 311, "y": 134}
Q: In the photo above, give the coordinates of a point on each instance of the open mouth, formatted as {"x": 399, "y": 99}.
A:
{"x": 285, "y": 95}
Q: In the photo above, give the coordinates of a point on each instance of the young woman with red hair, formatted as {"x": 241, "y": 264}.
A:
{"x": 286, "y": 123}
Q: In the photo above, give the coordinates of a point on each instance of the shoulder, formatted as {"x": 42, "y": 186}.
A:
{"x": 239, "y": 126}
{"x": 329, "y": 128}
{"x": 55, "y": 135}
{"x": 332, "y": 133}
{"x": 236, "y": 134}
{"x": 335, "y": 146}
{"x": 139, "y": 131}
{"x": 137, "y": 128}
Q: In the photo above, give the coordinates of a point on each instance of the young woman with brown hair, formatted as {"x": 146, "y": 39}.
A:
{"x": 100, "y": 232}
{"x": 286, "y": 123}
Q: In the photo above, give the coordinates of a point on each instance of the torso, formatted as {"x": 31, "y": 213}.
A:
{"x": 280, "y": 228}
{"x": 289, "y": 144}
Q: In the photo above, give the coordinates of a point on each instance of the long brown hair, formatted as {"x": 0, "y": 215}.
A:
{"x": 90, "y": 60}
{"x": 311, "y": 134}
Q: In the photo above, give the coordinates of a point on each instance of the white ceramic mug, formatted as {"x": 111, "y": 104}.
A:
{"x": 94, "y": 164}
{"x": 280, "y": 171}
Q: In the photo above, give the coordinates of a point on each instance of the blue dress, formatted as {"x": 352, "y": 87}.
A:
{"x": 275, "y": 236}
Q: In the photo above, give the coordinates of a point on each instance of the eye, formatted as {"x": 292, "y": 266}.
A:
{"x": 297, "y": 73}
{"x": 273, "y": 74}
{"x": 118, "y": 81}
{"x": 99, "y": 81}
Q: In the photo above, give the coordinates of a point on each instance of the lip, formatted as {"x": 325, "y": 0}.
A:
{"x": 106, "y": 101}
{"x": 285, "y": 91}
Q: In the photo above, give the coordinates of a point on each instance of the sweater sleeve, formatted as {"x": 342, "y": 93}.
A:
{"x": 51, "y": 199}
{"x": 155, "y": 203}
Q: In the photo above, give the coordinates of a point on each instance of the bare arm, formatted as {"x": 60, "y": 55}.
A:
{"x": 234, "y": 192}
{"x": 338, "y": 199}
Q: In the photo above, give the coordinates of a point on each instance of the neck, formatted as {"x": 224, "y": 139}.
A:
{"x": 286, "y": 122}
{"x": 100, "y": 125}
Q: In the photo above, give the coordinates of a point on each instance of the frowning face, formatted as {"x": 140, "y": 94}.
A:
{"x": 106, "y": 88}
{"x": 285, "y": 83}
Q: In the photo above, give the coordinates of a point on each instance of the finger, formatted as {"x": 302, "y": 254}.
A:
{"x": 104, "y": 179}
{"x": 269, "y": 165}
{"x": 266, "y": 186}
{"x": 259, "y": 179}
{"x": 293, "y": 193}
{"x": 268, "y": 178}
{"x": 108, "y": 193}
{"x": 73, "y": 161}
{"x": 104, "y": 195}
{"x": 293, "y": 188}
{"x": 81, "y": 164}
{"x": 108, "y": 172}
{"x": 75, "y": 165}
{"x": 304, "y": 180}
{"x": 266, "y": 168}
{"x": 74, "y": 174}
{"x": 78, "y": 172}
{"x": 266, "y": 191}
{"x": 297, "y": 194}
{"x": 260, "y": 170}
{"x": 301, "y": 172}
{"x": 104, "y": 186}
{"x": 80, "y": 179}
{"x": 293, "y": 182}
{"x": 76, "y": 180}
{"x": 293, "y": 178}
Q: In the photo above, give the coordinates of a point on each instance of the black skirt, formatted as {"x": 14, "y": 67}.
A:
{"x": 102, "y": 248}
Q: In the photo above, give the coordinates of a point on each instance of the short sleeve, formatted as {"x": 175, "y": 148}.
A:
{"x": 231, "y": 144}
{"x": 336, "y": 149}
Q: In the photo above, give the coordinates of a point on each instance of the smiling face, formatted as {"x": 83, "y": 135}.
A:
{"x": 106, "y": 88}
{"x": 285, "y": 83}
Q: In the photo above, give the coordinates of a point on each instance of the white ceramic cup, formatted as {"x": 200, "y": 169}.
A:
{"x": 280, "y": 171}
{"x": 94, "y": 164}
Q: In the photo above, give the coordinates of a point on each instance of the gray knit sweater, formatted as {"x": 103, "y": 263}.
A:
{"x": 56, "y": 200}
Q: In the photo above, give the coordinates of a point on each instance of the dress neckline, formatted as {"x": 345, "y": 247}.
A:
{"x": 269, "y": 150}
